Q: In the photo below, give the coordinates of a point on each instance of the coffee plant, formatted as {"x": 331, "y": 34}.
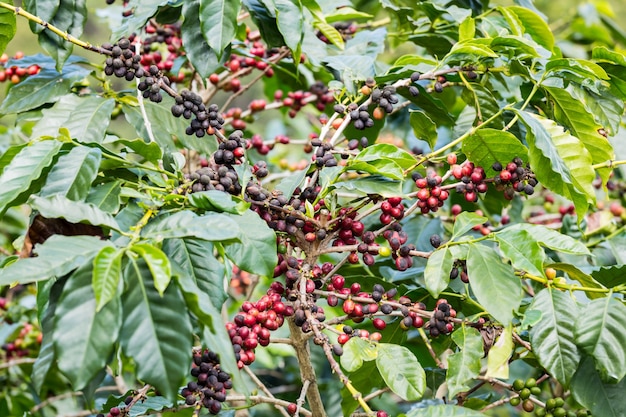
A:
{"x": 314, "y": 208}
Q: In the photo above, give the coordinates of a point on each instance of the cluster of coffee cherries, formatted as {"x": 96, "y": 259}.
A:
{"x": 439, "y": 322}
{"x": 399, "y": 251}
{"x": 24, "y": 343}
{"x": 151, "y": 85}
{"x": 385, "y": 98}
{"x": 153, "y": 52}
{"x": 459, "y": 268}
{"x": 472, "y": 180}
{"x": 118, "y": 411}
{"x": 430, "y": 195}
{"x": 15, "y": 73}
{"x": 203, "y": 119}
{"x": 123, "y": 62}
{"x": 251, "y": 327}
{"x": 413, "y": 90}
{"x": 324, "y": 156}
{"x": 391, "y": 209}
{"x": 514, "y": 177}
{"x": 359, "y": 116}
{"x": 295, "y": 100}
{"x": 209, "y": 388}
{"x": 220, "y": 178}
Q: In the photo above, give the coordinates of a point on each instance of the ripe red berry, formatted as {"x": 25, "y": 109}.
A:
{"x": 381, "y": 413}
{"x": 343, "y": 338}
{"x": 291, "y": 408}
{"x": 456, "y": 210}
{"x": 505, "y": 176}
{"x": 348, "y": 306}
{"x": 451, "y": 158}
{"x": 379, "y": 323}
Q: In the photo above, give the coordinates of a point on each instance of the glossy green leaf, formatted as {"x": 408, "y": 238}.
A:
{"x": 560, "y": 161}
{"x": 499, "y": 354}
{"x": 602, "y": 399}
{"x": 485, "y": 104}
{"x": 602, "y": 53}
{"x": 522, "y": 250}
{"x": 329, "y": 31}
{"x": 549, "y": 238}
{"x": 552, "y": 337}
{"x": 610, "y": 276}
{"x": 384, "y": 167}
{"x": 84, "y": 338}
{"x": 290, "y": 20}
{"x": 214, "y": 200}
{"x": 570, "y": 112}
{"x": 444, "y": 410}
{"x": 382, "y": 150}
{"x": 601, "y": 333}
{"x": 142, "y": 11}
{"x": 576, "y": 274}
{"x": 346, "y": 13}
{"x": 467, "y": 29}
{"x": 493, "y": 282}
{"x": 604, "y": 106}
{"x": 423, "y": 127}
{"x": 150, "y": 151}
{"x": 156, "y": 331}
{"x": 107, "y": 270}
{"x": 57, "y": 256}
{"x": 73, "y": 174}
{"x": 255, "y": 250}
{"x": 579, "y": 69}
{"x": 187, "y": 224}
{"x": 218, "y": 22}
{"x": 356, "y": 351}
{"x": 469, "y": 48}
{"x": 202, "y": 57}
{"x": 58, "y": 206}
{"x": 8, "y": 26}
{"x": 69, "y": 17}
{"x": 375, "y": 184}
{"x": 437, "y": 271}
{"x": 86, "y": 117}
{"x": 464, "y": 222}
{"x": 157, "y": 262}
{"x": 401, "y": 371}
{"x": 45, "y": 87}
{"x": 25, "y": 168}
{"x": 106, "y": 196}
{"x": 533, "y": 25}
{"x": 487, "y": 146}
{"x": 464, "y": 365}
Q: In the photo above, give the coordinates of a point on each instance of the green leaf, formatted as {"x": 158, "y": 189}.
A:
{"x": 533, "y": 25}
{"x": 482, "y": 100}
{"x": 218, "y": 22}
{"x": 346, "y": 13}
{"x": 202, "y": 57}
{"x": 73, "y": 174}
{"x": 437, "y": 271}
{"x": 571, "y": 113}
{"x": 255, "y": 250}
{"x": 86, "y": 117}
{"x": 601, "y": 333}
{"x": 610, "y": 276}
{"x": 57, "y": 256}
{"x": 45, "y": 87}
{"x": 465, "y": 222}
{"x": 374, "y": 184}
{"x": 522, "y": 250}
{"x": 69, "y": 17}
{"x": 84, "y": 338}
{"x": 107, "y": 270}
{"x": 330, "y": 33}
{"x": 187, "y": 224}
{"x": 487, "y": 146}
{"x": 142, "y": 11}
{"x": 493, "y": 282}
{"x": 499, "y": 354}
{"x": 8, "y": 26}
{"x": 466, "y": 49}
{"x": 385, "y": 151}
{"x": 603, "y": 54}
{"x": 465, "y": 365}
{"x": 602, "y": 399}
{"x": 356, "y": 351}
{"x": 156, "y": 331}
{"x": 575, "y": 70}
{"x": 552, "y": 337}
{"x": 290, "y": 20}
{"x": 578, "y": 275}
{"x": 423, "y": 127}
{"x": 25, "y": 168}
{"x": 604, "y": 106}
{"x": 149, "y": 150}
{"x": 58, "y": 206}
{"x": 214, "y": 200}
{"x": 157, "y": 262}
{"x": 106, "y": 196}
{"x": 444, "y": 410}
{"x": 549, "y": 238}
{"x": 560, "y": 161}
{"x": 384, "y": 167}
{"x": 401, "y": 371}
{"x": 467, "y": 29}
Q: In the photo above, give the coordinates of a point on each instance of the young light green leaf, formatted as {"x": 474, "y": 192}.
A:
{"x": 218, "y": 22}
{"x": 464, "y": 365}
{"x": 401, "y": 371}
{"x": 73, "y": 174}
{"x": 552, "y": 337}
{"x": 467, "y": 29}
{"x": 465, "y": 222}
{"x": 25, "y": 168}
{"x": 58, "y": 206}
{"x": 84, "y": 338}
{"x": 8, "y": 26}
{"x": 423, "y": 127}
{"x": 548, "y": 238}
{"x": 437, "y": 271}
{"x": 383, "y": 150}
{"x": 533, "y": 25}
{"x": 107, "y": 270}
{"x": 106, "y": 196}
{"x": 493, "y": 282}
{"x": 330, "y": 33}
{"x": 214, "y": 200}
{"x": 157, "y": 262}
{"x": 499, "y": 354}
{"x": 487, "y": 146}
{"x": 355, "y": 352}
{"x": 601, "y": 333}
{"x": 156, "y": 331}
{"x": 374, "y": 184}
{"x": 57, "y": 256}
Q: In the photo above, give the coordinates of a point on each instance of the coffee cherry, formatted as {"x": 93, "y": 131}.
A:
{"x": 528, "y": 405}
